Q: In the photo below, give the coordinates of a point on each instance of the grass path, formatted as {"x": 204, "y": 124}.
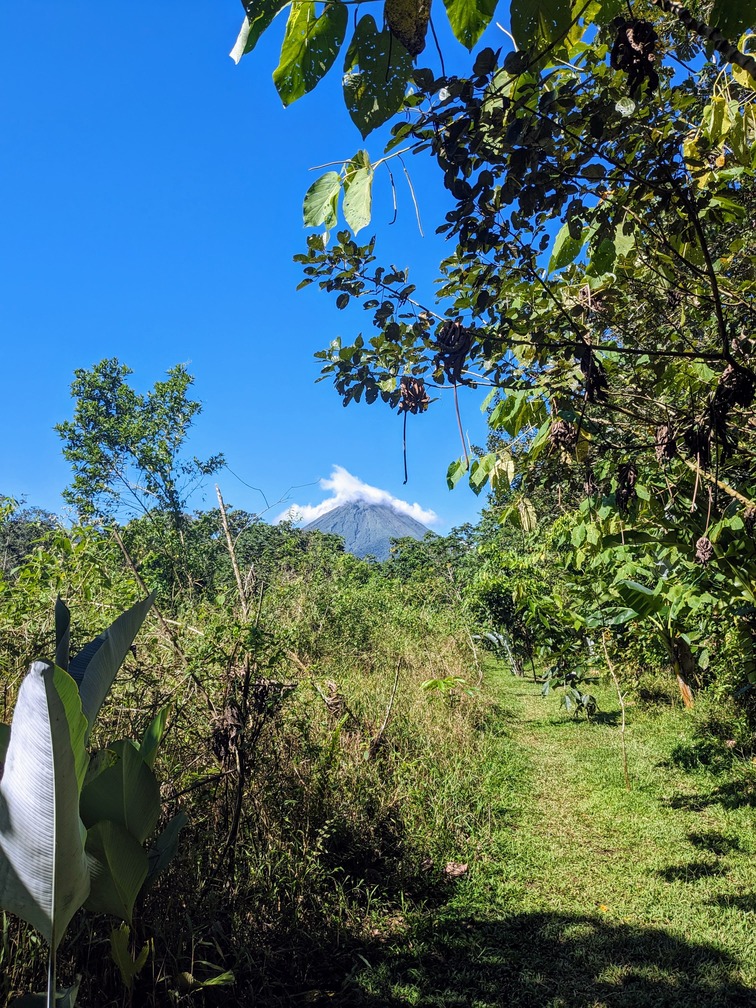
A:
{"x": 580, "y": 894}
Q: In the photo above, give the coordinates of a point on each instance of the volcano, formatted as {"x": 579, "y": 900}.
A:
{"x": 367, "y": 529}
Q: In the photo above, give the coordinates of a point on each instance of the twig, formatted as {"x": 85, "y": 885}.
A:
{"x": 376, "y": 740}
{"x": 232, "y": 554}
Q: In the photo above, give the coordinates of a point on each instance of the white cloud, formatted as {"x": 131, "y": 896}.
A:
{"x": 345, "y": 488}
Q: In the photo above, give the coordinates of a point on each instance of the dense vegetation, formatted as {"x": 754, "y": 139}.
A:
{"x": 343, "y": 744}
{"x": 511, "y": 765}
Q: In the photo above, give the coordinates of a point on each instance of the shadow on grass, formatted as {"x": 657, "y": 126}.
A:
{"x": 538, "y": 960}
{"x": 691, "y": 871}
{"x": 732, "y": 795}
{"x": 744, "y": 903}
{"x": 715, "y": 842}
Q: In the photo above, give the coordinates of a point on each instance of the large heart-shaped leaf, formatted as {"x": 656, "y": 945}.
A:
{"x": 358, "y": 185}
{"x": 469, "y": 19}
{"x": 376, "y": 71}
{"x": 310, "y": 46}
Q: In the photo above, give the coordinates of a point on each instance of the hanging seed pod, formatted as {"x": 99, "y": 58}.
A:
{"x": 408, "y": 22}
{"x": 414, "y": 397}
{"x": 736, "y": 387}
{"x": 596, "y": 383}
{"x": 704, "y": 551}
{"x": 590, "y": 486}
{"x": 698, "y": 443}
{"x": 454, "y": 343}
{"x": 666, "y": 445}
{"x": 563, "y": 434}
{"x": 633, "y": 52}
{"x": 627, "y": 476}
{"x": 749, "y": 519}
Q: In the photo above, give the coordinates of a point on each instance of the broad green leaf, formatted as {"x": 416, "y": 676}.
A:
{"x": 469, "y": 19}
{"x": 163, "y": 847}
{"x": 310, "y": 46}
{"x": 536, "y": 24}
{"x": 260, "y": 15}
{"x": 358, "y": 185}
{"x": 117, "y": 867}
{"x": 644, "y": 601}
{"x": 747, "y": 45}
{"x": 455, "y": 472}
{"x": 119, "y": 949}
{"x": 321, "y": 200}
{"x": 376, "y": 71}
{"x": 732, "y": 17}
{"x": 125, "y": 793}
{"x": 153, "y": 736}
{"x": 43, "y": 871}
{"x": 94, "y": 668}
{"x": 565, "y": 249}
{"x": 603, "y": 258}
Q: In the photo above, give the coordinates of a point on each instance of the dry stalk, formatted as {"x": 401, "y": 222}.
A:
{"x": 232, "y": 554}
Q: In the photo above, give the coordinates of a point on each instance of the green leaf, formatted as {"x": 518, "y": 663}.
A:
{"x": 94, "y": 668}
{"x": 119, "y": 949}
{"x": 260, "y": 15}
{"x": 164, "y": 845}
{"x": 321, "y": 201}
{"x": 310, "y": 46}
{"x": 358, "y": 184}
{"x": 376, "y": 71}
{"x": 536, "y": 24}
{"x": 43, "y": 871}
{"x": 117, "y": 867}
{"x": 643, "y": 601}
{"x": 732, "y": 17}
{"x": 565, "y": 249}
{"x": 469, "y": 19}
{"x": 455, "y": 472}
{"x": 126, "y": 793}
{"x": 153, "y": 736}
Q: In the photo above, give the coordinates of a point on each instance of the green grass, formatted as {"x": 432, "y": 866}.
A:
{"x": 578, "y": 892}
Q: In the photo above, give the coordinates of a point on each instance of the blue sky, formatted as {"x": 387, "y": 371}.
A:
{"x": 151, "y": 207}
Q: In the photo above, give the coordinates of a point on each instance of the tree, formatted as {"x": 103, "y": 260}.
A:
{"x": 21, "y": 529}
{"x": 600, "y": 282}
{"x": 126, "y": 448}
